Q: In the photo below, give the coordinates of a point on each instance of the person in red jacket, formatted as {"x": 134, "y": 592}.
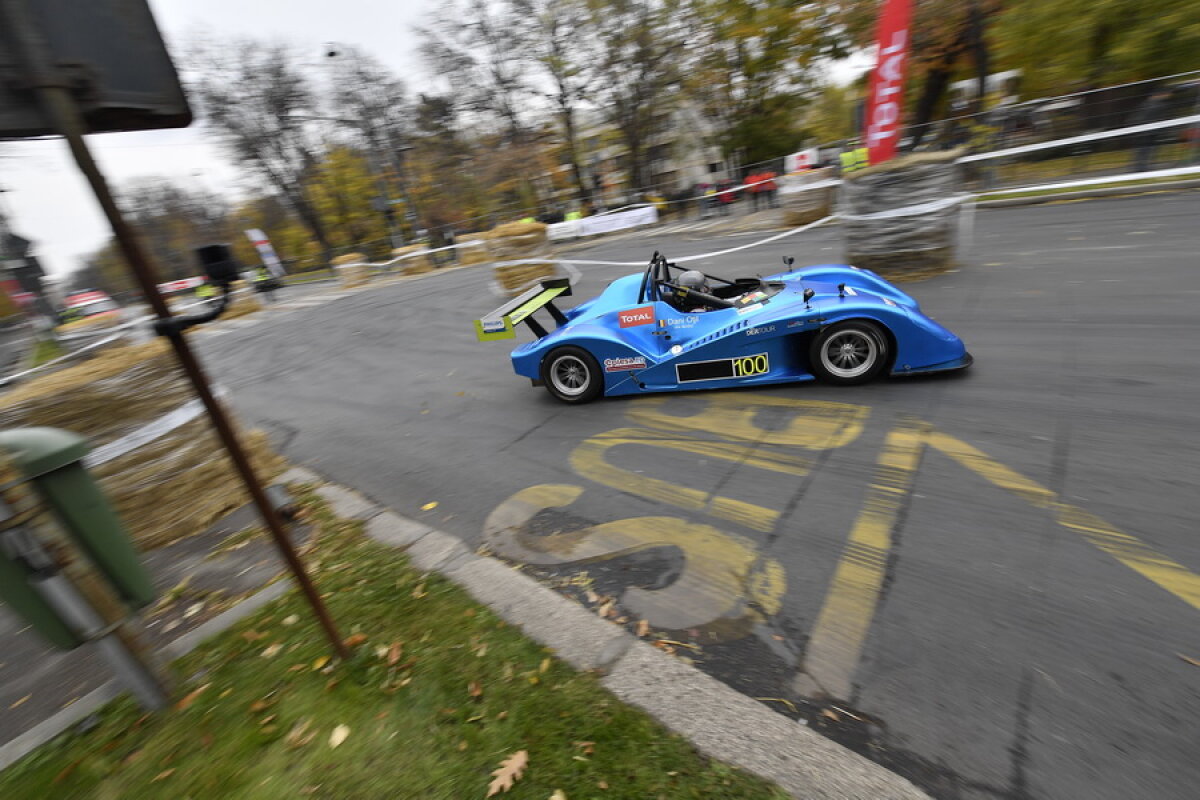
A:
{"x": 755, "y": 189}
{"x": 770, "y": 189}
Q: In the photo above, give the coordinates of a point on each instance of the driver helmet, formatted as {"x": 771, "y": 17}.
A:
{"x": 694, "y": 279}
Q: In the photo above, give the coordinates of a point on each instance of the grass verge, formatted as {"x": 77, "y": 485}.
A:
{"x": 46, "y": 350}
{"x": 438, "y": 693}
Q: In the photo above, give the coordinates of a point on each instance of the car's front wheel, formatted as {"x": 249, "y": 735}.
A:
{"x": 849, "y": 352}
{"x": 572, "y": 375}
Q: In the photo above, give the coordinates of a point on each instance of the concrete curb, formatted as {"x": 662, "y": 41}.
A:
{"x": 719, "y": 721}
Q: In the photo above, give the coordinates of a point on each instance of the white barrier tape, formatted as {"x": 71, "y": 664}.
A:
{"x": 910, "y": 211}
{"x": 804, "y": 187}
{"x": 1128, "y": 176}
{"x": 152, "y": 430}
{"x": 1081, "y": 139}
{"x": 398, "y": 259}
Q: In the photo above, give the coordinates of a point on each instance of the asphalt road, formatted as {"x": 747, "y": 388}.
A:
{"x": 984, "y": 581}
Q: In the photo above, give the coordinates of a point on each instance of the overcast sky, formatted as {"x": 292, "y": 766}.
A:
{"x": 47, "y": 200}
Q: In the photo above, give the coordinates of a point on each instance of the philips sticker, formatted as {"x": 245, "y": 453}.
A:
{"x": 624, "y": 364}
{"x": 493, "y": 325}
{"x": 636, "y": 316}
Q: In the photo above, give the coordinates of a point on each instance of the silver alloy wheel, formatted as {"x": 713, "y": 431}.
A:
{"x": 850, "y": 353}
{"x": 570, "y": 375}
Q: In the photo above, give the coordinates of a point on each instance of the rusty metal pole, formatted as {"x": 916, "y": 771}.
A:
{"x": 61, "y": 108}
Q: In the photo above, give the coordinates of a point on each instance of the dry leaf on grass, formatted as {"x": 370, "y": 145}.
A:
{"x": 291, "y": 619}
{"x": 190, "y": 698}
{"x": 162, "y": 776}
{"x": 558, "y": 795}
{"x": 272, "y": 651}
{"x": 300, "y": 734}
{"x": 355, "y": 640}
{"x": 393, "y": 654}
{"x": 320, "y": 662}
{"x": 474, "y": 689}
{"x": 509, "y": 773}
{"x": 339, "y": 735}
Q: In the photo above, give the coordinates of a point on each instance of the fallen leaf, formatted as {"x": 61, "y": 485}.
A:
{"x": 587, "y": 747}
{"x": 259, "y": 706}
{"x": 393, "y": 654}
{"x": 545, "y": 665}
{"x": 462, "y": 746}
{"x": 193, "y": 610}
{"x": 320, "y": 662}
{"x": 502, "y": 715}
{"x": 253, "y": 636}
{"x": 643, "y": 628}
{"x": 1192, "y": 661}
{"x": 558, "y": 795}
{"x": 419, "y": 592}
{"x": 607, "y": 608}
{"x": 481, "y": 651}
{"x": 19, "y": 702}
{"x": 300, "y": 734}
{"x": 339, "y": 735}
{"x": 272, "y": 651}
{"x": 354, "y": 640}
{"x": 162, "y": 776}
{"x": 190, "y": 698}
{"x": 291, "y": 619}
{"x": 509, "y": 773}
{"x": 429, "y": 506}
{"x": 591, "y": 596}
{"x": 474, "y": 689}
{"x": 827, "y": 714}
{"x": 601, "y": 784}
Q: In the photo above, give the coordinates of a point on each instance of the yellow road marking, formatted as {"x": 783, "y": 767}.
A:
{"x": 1126, "y": 549}
{"x": 817, "y": 424}
{"x": 836, "y": 642}
{"x": 724, "y": 585}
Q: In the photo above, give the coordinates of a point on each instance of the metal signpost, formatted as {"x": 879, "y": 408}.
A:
{"x": 72, "y": 67}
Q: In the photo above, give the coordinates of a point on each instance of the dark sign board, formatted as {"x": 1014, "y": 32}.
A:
{"x": 109, "y": 52}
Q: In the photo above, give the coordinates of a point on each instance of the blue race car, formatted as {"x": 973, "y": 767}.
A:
{"x": 672, "y": 329}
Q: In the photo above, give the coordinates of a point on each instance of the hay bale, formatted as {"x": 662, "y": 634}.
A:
{"x": 514, "y": 278}
{"x": 413, "y": 264}
{"x": 884, "y": 232}
{"x": 516, "y": 240}
{"x": 352, "y": 270}
{"x": 173, "y": 486}
{"x": 802, "y": 206}
{"x": 474, "y": 254}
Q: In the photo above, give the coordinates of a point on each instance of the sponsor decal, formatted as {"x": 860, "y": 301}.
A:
{"x": 757, "y": 331}
{"x": 624, "y": 364}
{"x": 797, "y": 323}
{"x": 493, "y": 325}
{"x": 679, "y": 322}
{"x": 748, "y": 309}
{"x": 636, "y": 316}
{"x": 743, "y": 367}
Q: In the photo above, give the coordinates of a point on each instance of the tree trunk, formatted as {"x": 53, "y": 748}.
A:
{"x": 581, "y": 190}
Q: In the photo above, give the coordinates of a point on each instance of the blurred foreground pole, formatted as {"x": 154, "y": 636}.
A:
{"x": 61, "y": 109}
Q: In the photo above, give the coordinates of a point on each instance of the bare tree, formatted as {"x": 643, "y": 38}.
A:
{"x": 556, "y": 36}
{"x": 476, "y": 46}
{"x": 644, "y": 44}
{"x": 252, "y": 92}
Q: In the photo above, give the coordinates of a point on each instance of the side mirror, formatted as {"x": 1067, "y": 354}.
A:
{"x": 218, "y": 263}
{"x": 788, "y": 261}
{"x": 808, "y": 295}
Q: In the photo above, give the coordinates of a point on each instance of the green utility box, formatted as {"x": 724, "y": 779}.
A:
{"x": 50, "y": 461}
{"x": 17, "y": 591}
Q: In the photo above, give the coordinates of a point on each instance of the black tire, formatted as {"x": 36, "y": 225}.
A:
{"x": 849, "y": 353}
{"x": 572, "y": 375}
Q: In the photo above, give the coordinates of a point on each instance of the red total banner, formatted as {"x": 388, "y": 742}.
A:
{"x": 887, "y": 82}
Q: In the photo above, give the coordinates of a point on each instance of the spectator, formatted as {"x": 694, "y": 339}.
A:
{"x": 1153, "y": 110}
{"x": 724, "y": 196}
{"x": 755, "y": 190}
{"x": 770, "y": 189}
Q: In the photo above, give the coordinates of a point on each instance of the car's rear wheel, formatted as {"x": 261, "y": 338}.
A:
{"x": 572, "y": 375}
{"x": 849, "y": 353}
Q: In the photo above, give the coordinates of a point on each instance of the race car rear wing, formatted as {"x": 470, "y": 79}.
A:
{"x": 500, "y": 324}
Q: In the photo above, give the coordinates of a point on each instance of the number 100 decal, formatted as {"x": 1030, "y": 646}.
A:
{"x": 743, "y": 367}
